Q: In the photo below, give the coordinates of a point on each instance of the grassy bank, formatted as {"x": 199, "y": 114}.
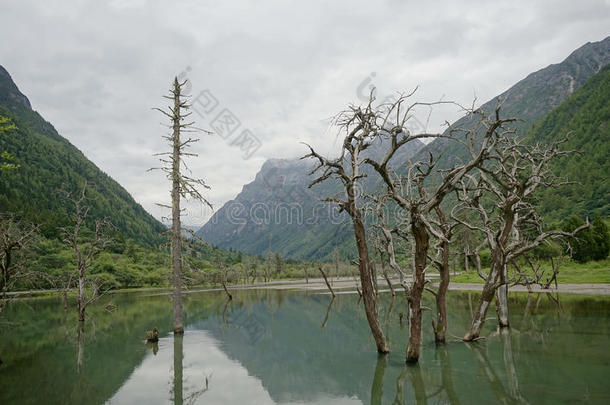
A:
{"x": 569, "y": 272}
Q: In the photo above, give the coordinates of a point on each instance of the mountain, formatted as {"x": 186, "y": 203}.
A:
{"x": 277, "y": 212}
{"x": 585, "y": 118}
{"x": 531, "y": 98}
{"x": 48, "y": 162}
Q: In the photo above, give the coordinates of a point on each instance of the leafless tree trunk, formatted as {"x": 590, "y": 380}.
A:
{"x": 224, "y": 275}
{"x": 353, "y": 144}
{"x": 555, "y": 265}
{"x": 85, "y": 252}
{"x": 178, "y": 367}
{"x": 501, "y": 196}
{"x": 182, "y": 185}
{"x": 442, "y": 263}
{"x": 224, "y": 286}
{"x": 176, "y": 233}
{"x": 330, "y": 288}
{"x": 416, "y": 198}
{"x": 374, "y": 276}
{"x": 368, "y": 293}
{"x": 440, "y": 329}
{"x": 502, "y": 303}
{"x": 81, "y": 345}
{"x": 387, "y": 278}
{"x": 415, "y": 311}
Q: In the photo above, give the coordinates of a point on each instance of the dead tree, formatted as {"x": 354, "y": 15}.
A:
{"x": 16, "y": 237}
{"x": 330, "y": 288}
{"x": 224, "y": 286}
{"x": 500, "y": 193}
{"x": 384, "y": 271}
{"x": 85, "y": 249}
{"x": 441, "y": 261}
{"x": 178, "y": 381}
{"x": 537, "y": 276}
{"x": 347, "y": 169}
{"x": 412, "y": 193}
{"x": 183, "y": 186}
{"x": 384, "y": 240}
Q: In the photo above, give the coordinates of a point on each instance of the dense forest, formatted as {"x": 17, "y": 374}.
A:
{"x": 585, "y": 119}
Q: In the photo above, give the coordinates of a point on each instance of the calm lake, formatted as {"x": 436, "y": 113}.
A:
{"x": 288, "y": 347}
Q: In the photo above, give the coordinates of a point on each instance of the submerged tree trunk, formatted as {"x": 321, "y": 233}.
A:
{"x": 502, "y": 306}
{"x": 330, "y": 288}
{"x": 487, "y": 295}
{"x": 178, "y": 355}
{"x": 373, "y": 268}
{"x": 81, "y": 294}
{"x": 496, "y": 277}
{"x": 440, "y": 329}
{"x": 224, "y": 285}
{"x": 502, "y": 300}
{"x": 368, "y": 292}
{"x": 176, "y": 227}
{"x": 415, "y": 294}
{"x": 387, "y": 279}
{"x": 81, "y": 345}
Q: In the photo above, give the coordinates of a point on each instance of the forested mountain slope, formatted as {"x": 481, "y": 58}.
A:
{"x": 585, "y": 118}
{"x": 48, "y": 162}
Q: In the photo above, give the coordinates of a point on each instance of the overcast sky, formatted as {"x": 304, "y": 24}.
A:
{"x": 94, "y": 69}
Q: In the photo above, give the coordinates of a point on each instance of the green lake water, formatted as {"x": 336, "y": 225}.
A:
{"x": 283, "y": 347}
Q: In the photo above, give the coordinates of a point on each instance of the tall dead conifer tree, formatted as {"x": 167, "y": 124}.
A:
{"x": 183, "y": 186}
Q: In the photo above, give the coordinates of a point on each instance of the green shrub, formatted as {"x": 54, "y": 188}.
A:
{"x": 590, "y": 244}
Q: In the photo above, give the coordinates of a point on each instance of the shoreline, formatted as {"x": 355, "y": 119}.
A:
{"x": 342, "y": 285}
